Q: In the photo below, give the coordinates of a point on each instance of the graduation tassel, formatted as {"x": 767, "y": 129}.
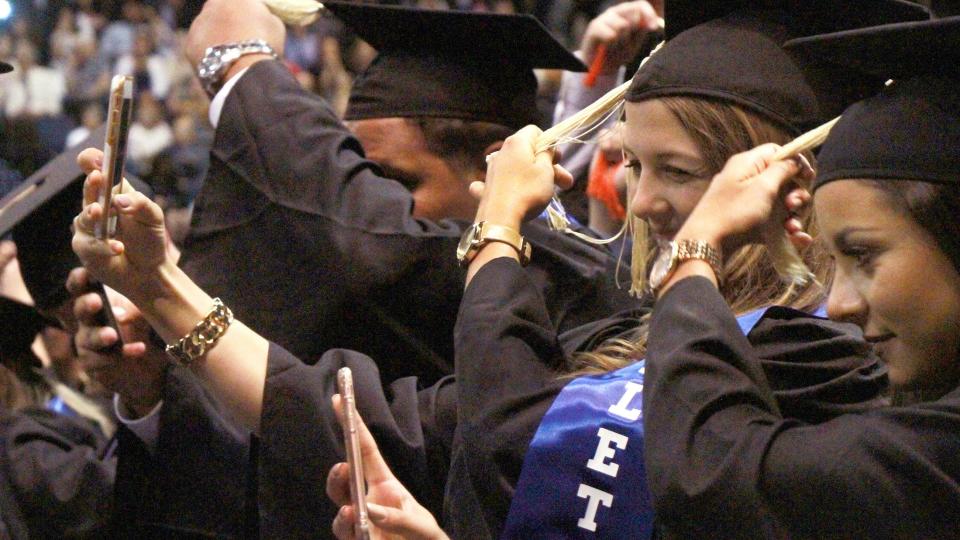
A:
{"x": 573, "y": 129}
{"x": 786, "y": 260}
{"x": 295, "y": 12}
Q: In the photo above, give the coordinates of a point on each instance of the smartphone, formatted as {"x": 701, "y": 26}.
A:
{"x": 115, "y": 150}
{"x": 351, "y": 435}
{"x": 114, "y": 155}
{"x": 106, "y": 318}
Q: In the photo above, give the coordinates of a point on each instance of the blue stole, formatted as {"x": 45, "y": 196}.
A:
{"x": 583, "y": 475}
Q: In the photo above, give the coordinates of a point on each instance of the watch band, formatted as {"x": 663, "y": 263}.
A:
{"x": 217, "y": 60}
{"x": 699, "y": 249}
{"x": 482, "y": 233}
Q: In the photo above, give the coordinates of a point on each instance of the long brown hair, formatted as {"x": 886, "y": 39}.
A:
{"x": 720, "y": 129}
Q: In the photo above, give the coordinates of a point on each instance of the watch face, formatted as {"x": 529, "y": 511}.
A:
{"x": 662, "y": 266}
{"x": 466, "y": 241}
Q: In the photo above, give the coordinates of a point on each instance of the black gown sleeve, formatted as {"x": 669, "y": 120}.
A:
{"x": 306, "y": 242}
{"x": 195, "y": 482}
{"x": 723, "y": 460}
{"x": 508, "y": 370}
{"x": 309, "y": 245}
{"x": 300, "y": 438}
{"x": 55, "y": 482}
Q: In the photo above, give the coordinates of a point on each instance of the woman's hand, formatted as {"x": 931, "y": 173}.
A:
{"x": 132, "y": 262}
{"x": 393, "y": 512}
{"x": 519, "y": 182}
{"x": 741, "y": 206}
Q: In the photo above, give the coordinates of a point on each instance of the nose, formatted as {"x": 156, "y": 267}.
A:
{"x": 845, "y": 303}
{"x": 648, "y": 203}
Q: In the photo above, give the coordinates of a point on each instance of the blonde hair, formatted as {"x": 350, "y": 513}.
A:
{"x": 720, "y": 129}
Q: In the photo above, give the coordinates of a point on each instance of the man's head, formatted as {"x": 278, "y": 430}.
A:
{"x": 445, "y": 89}
{"x": 435, "y": 158}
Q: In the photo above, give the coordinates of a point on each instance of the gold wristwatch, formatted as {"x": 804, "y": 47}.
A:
{"x": 673, "y": 253}
{"x": 482, "y": 233}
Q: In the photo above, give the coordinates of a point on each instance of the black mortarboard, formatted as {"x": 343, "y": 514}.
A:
{"x": 39, "y": 213}
{"x": 733, "y": 50}
{"x": 450, "y": 64}
{"x": 19, "y": 325}
{"x": 911, "y": 129}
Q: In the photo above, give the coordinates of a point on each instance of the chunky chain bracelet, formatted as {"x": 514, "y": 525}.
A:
{"x": 204, "y": 335}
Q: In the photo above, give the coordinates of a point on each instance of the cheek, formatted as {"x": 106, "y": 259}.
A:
{"x": 686, "y": 197}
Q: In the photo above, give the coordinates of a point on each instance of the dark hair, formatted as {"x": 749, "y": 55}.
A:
{"x": 934, "y": 206}
{"x": 461, "y": 141}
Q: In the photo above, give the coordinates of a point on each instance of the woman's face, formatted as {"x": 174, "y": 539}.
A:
{"x": 894, "y": 282}
{"x": 670, "y": 172}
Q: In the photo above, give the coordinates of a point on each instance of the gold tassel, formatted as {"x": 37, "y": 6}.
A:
{"x": 786, "y": 260}
{"x": 295, "y": 12}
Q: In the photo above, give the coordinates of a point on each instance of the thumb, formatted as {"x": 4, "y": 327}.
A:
{"x": 137, "y": 206}
{"x": 409, "y": 524}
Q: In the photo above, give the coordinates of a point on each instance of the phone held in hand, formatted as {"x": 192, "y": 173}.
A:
{"x": 114, "y": 150}
{"x": 114, "y": 155}
{"x": 351, "y": 435}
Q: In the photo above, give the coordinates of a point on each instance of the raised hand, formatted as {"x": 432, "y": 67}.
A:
{"x": 620, "y": 30}
{"x": 229, "y": 21}
{"x": 749, "y": 200}
{"x": 136, "y": 372}
{"x": 519, "y": 182}
{"x": 132, "y": 262}
{"x": 394, "y": 513}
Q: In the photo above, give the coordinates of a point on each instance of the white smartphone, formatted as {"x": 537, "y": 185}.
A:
{"x": 114, "y": 150}
{"x": 351, "y": 436}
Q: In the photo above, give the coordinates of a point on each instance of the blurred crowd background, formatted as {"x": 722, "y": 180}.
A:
{"x": 66, "y": 51}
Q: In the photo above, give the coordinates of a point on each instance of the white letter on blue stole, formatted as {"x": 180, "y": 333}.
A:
{"x": 621, "y": 410}
{"x": 604, "y": 451}
{"x": 594, "y": 497}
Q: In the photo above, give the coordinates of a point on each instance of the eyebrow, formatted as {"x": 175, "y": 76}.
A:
{"x": 841, "y": 236}
{"x": 664, "y": 156}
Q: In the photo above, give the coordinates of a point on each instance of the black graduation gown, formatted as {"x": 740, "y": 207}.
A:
{"x": 53, "y": 480}
{"x": 310, "y": 246}
{"x": 196, "y": 482}
{"x": 509, "y": 358}
{"x": 724, "y": 460}
{"x": 300, "y": 438}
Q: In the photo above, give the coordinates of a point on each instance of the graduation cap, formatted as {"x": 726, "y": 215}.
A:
{"x": 39, "y": 213}
{"x": 910, "y": 130}
{"x": 450, "y": 64}
{"x": 733, "y": 50}
{"x": 5, "y": 68}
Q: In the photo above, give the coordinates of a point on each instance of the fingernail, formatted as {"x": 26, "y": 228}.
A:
{"x": 123, "y": 201}
{"x": 376, "y": 512}
{"x": 107, "y": 336}
{"x": 119, "y": 311}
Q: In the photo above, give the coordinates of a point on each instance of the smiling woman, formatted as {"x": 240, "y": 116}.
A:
{"x": 888, "y": 264}
{"x": 887, "y": 196}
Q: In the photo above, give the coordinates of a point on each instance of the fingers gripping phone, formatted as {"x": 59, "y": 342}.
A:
{"x": 351, "y": 435}
{"x": 114, "y": 151}
{"x": 114, "y": 155}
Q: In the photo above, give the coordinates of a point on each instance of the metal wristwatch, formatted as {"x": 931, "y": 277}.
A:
{"x": 673, "y": 253}
{"x": 217, "y": 60}
{"x": 482, "y": 233}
